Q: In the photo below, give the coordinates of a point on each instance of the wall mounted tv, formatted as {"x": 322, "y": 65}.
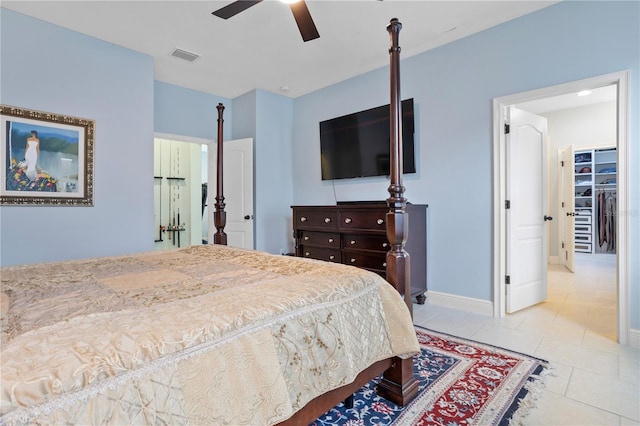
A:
{"x": 357, "y": 145}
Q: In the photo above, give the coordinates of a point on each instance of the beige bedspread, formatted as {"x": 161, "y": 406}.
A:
{"x": 200, "y": 335}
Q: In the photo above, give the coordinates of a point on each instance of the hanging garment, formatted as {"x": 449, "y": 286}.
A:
{"x": 611, "y": 206}
{"x": 602, "y": 218}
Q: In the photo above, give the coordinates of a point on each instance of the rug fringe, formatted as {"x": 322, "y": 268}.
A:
{"x": 535, "y": 389}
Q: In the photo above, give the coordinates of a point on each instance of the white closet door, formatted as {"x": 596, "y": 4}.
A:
{"x": 527, "y": 191}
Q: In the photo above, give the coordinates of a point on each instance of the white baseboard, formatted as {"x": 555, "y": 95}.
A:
{"x": 462, "y": 303}
{"x": 634, "y": 338}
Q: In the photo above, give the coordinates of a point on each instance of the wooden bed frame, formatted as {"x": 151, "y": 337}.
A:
{"x": 398, "y": 383}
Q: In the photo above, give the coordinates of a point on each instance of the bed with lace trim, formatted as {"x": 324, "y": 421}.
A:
{"x": 201, "y": 335}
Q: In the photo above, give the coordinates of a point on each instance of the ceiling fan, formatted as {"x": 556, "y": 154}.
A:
{"x": 299, "y": 8}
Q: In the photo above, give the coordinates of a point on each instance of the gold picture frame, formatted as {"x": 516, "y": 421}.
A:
{"x": 46, "y": 158}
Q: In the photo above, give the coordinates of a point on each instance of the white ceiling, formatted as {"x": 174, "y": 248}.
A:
{"x": 571, "y": 100}
{"x": 261, "y": 47}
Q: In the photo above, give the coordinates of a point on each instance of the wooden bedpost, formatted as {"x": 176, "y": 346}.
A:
{"x": 220, "y": 216}
{"x": 398, "y": 383}
{"x": 398, "y": 272}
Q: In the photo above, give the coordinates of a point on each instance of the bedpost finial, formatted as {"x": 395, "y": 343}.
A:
{"x": 394, "y": 25}
{"x": 393, "y": 29}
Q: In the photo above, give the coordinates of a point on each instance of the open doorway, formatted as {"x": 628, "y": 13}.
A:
{"x": 185, "y": 193}
{"x": 582, "y": 161}
{"x": 582, "y": 193}
{"x": 180, "y": 192}
{"x": 620, "y": 82}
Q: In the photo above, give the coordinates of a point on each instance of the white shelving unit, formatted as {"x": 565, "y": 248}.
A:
{"x": 594, "y": 192}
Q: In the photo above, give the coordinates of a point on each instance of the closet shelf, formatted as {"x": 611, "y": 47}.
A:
{"x": 594, "y": 198}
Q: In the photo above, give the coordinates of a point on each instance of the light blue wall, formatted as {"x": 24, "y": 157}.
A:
{"x": 52, "y": 69}
{"x": 245, "y": 122}
{"x": 187, "y": 112}
{"x": 453, "y": 88}
{"x": 267, "y": 118}
{"x": 273, "y": 173}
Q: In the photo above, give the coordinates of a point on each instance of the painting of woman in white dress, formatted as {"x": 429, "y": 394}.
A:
{"x": 42, "y": 158}
{"x": 45, "y": 158}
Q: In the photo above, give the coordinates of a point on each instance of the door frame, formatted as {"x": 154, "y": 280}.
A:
{"x": 621, "y": 79}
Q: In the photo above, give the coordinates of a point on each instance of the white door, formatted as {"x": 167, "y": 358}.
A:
{"x": 567, "y": 207}
{"x": 237, "y": 175}
{"x": 526, "y": 190}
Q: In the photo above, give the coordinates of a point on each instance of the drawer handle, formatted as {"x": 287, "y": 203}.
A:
{"x": 330, "y": 240}
{"x": 380, "y": 221}
{"x": 307, "y": 254}
{"x": 384, "y": 265}
{"x": 332, "y": 257}
{"x": 306, "y": 238}
{"x": 347, "y": 220}
{"x": 352, "y": 242}
{"x": 385, "y": 245}
{"x": 327, "y": 219}
{"x": 353, "y": 260}
{"x": 303, "y": 219}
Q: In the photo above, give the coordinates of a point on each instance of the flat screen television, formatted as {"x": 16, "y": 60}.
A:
{"x": 357, "y": 145}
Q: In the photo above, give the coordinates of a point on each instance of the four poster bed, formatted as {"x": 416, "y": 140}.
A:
{"x": 207, "y": 334}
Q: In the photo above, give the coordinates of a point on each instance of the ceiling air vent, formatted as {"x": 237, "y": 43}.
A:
{"x": 183, "y": 54}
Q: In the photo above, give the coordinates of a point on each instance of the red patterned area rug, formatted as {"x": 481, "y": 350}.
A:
{"x": 461, "y": 382}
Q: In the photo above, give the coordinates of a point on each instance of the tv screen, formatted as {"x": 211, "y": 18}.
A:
{"x": 357, "y": 145}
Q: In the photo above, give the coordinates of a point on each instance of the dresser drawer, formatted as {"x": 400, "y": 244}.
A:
{"x": 366, "y": 242}
{"x": 316, "y": 219}
{"x": 322, "y": 239}
{"x": 365, "y": 260}
{"x": 373, "y": 219}
{"x": 319, "y": 253}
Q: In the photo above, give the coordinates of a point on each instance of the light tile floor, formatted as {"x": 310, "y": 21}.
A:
{"x": 595, "y": 381}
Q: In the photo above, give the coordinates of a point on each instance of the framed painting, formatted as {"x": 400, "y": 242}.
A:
{"x": 47, "y": 158}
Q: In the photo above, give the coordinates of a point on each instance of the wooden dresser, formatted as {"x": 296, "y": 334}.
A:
{"x": 355, "y": 234}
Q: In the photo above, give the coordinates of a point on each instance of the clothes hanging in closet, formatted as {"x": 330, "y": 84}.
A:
{"x": 606, "y": 219}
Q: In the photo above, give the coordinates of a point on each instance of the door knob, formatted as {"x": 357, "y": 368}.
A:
{"x": 547, "y": 217}
{"x": 571, "y": 214}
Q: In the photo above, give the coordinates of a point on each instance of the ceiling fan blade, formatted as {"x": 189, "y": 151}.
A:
{"x": 305, "y": 23}
{"x": 234, "y": 8}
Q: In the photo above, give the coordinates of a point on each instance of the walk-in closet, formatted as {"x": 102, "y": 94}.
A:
{"x": 595, "y": 201}
{"x": 180, "y": 179}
